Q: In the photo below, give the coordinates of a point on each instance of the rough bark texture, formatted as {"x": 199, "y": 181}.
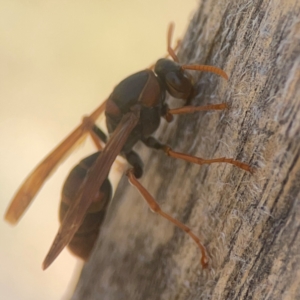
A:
{"x": 249, "y": 223}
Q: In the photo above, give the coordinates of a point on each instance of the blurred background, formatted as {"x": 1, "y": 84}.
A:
{"x": 58, "y": 61}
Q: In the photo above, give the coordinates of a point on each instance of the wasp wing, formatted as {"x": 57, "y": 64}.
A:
{"x": 35, "y": 180}
{"x": 90, "y": 186}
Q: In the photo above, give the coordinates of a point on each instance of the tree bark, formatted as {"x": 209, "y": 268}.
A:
{"x": 249, "y": 223}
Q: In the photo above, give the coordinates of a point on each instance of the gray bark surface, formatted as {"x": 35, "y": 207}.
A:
{"x": 249, "y": 223}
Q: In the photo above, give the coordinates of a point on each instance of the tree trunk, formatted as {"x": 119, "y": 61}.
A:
{"x": 249, "y": 223}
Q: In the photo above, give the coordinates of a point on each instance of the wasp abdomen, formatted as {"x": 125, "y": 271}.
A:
{"x": 84, "y": 239}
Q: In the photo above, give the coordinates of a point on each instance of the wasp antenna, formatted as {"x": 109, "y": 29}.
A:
{"x": 169, "y": 41}
{"x": 202, "y": 161}
{"x": 206, "y": 68}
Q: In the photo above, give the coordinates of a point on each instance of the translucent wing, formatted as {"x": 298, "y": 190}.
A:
{"x": 35, "y": 180}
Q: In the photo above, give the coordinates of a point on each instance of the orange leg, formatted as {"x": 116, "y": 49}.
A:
{"x": 153, "y": 143}
{"x": 156, "y": 208}
{"x": 202, "y": 161}
{"x": 99, "y": 139}
{"x": 192, "y": 109}
{"x": 89, "y": 124}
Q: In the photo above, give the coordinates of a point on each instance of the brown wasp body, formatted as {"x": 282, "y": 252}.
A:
{"x": 133, "y": 113}
{"x": 85, "y": 237}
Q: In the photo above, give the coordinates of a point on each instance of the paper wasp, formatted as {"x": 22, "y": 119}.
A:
{"x": 133, "y": 112}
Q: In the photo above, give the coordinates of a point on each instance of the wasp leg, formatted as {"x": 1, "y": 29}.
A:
{"x": 134, "y": 159}
{"x": 192, "y": 109}
{"x": 156, "y": 208}
{"x": 100, "y": 134}
{"x": 168, "y": 113}
{"x": 165, "y": 113}
{"x": 95, "y": 133}
{"x": 153, "y": 143}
